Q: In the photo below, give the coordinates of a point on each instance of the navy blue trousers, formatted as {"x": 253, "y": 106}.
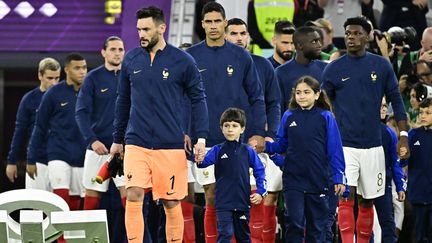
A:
{"x": 311, "y": 207}
{"x": 423, "y": 222}
{"x": 333, "y": 204}
{"x": 233, "y": 222}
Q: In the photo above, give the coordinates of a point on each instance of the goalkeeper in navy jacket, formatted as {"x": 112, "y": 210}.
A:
{"x": 232, "y": 160}
{"x": 309, "y": 136}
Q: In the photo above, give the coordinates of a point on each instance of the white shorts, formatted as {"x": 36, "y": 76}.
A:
{"x": 41, "y": 181}
{"x": 205, "y": 176}
{"x": 92, "y": 164}
{"x": 273, "y": 174}
{"x": 398, "y": 207}
{"x": 63, "y": 176}
{"x": 191, "y": 174}
{"x": 365, "y": 169}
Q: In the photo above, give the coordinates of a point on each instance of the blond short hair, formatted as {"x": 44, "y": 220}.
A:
{"x": 48, "y": 63}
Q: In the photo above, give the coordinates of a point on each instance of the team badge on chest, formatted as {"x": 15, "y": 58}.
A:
{"x": 165, "y": 74}
{"x": 373, "y": 76}
{"x": 230, "y": 70}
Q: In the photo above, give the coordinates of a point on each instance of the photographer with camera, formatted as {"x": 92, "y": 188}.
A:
{"x": 425, "y": 52}
{"x": 404, "y": 13}
{"x": 415, "y": 86}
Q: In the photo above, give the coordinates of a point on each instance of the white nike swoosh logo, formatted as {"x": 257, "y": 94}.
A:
{"x": 202, "y": 70}
{"x": 63, "y": 104}
{"x": 136, "y": 71}
{"x": 257, "y": 227}
{"x": 345, "y": 79}
{"x": 104, "y": 90}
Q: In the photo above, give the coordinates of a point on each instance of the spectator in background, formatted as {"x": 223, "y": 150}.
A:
{"x": 404, "y": 13}
{"x": 262, "y": 15}
{"x": 414, "y": 106}
{"x": 337, "y": 11}
{"x": 37, "y": 175}
{"x": 306, "y": 10}
{"x": 425, "y": 52}
{"x": 283, "y": 43}
{"x": 328, "y": 32}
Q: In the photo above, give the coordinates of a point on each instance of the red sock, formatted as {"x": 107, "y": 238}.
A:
{"x": 91, "y": 203}
{"x": 189, "y": 223}
{"x": 123, "y": 201}
{"x": 269, "y": 229}
{"x": 210, "y": 229}
{"x": 346, "y": 220}
{"x": 365, "y": 221}
{"x": 75, "y": 202}
{"x": 63, "y": 193}
{"x": 256, "y": 222}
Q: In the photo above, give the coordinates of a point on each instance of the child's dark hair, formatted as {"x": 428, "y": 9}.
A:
{"x": 426, "y": 103}
{"x": 233, "y": 115}
{"x": 323, "y": 101}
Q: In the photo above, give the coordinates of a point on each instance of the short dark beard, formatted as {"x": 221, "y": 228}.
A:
{"x": 285, "y": 57}
{"x": 152, "y": 43}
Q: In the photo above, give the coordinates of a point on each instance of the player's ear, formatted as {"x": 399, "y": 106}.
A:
{"x": 242, "y": 130}
{"x": 162, "y": 28}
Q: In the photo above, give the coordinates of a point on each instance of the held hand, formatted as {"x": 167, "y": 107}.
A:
{"x": 32, "y": 171}
{"x": 403, "y": 148}
{"x": 117, "y": 148}
{"x": 259, "y": 141}
{"x": 187, "y": 144}
{"x": 253, "y": 144}
{"x": 339, "y": 189}
{"x": 199, "y": 152}
{"x": 256, "y": 198}
{"x": 99, "y": 148}
{"x": 11, "y": 172}
{"x": 401, "y": 196}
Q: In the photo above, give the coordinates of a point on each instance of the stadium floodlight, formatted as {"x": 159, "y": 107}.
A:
{"x": 48, "y": 9}
{"x": 4, "y": 9}
{"x": 24, "y": 9}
